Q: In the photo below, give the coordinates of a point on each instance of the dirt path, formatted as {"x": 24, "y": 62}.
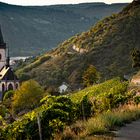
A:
{"x": 129, "y": 132}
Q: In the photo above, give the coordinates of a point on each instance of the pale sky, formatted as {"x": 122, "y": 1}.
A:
{"x": 52, "y": 2}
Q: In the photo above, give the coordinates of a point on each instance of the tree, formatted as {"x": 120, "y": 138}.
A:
{"x": 135, "y": 55}
{"x": 7, "y": 98}
{"x": 27, "y": 96}
{"x": 90, "y": 76}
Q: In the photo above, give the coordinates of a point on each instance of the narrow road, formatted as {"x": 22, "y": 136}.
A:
{"x": 129, "y": 132}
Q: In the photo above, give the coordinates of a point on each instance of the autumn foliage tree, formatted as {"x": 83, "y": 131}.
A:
{"x": 90, "y": 76}
{"x": 27, "y": 96}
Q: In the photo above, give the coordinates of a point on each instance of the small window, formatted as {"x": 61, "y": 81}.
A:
{"x": 3, "y": 87}
{"x": 10, "y": 87}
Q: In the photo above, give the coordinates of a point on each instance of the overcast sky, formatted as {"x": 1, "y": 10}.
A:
{"x": 52, "y": 2}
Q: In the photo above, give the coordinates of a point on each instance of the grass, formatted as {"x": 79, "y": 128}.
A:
{"x": 104, "y": 123}
{"x": 110, "y": 120}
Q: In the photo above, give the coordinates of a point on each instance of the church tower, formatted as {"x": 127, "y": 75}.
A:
{"x": 2, "y": 51}
{"x": 8, "y": 79}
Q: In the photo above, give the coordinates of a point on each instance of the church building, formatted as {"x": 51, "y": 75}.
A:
{"x": 8, "y": 80}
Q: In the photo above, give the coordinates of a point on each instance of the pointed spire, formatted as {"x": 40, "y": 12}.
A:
{"x": 2, "y": 43}
{"x": 1, "y": 37}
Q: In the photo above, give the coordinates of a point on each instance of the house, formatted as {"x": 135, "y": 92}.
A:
{"x": 63, "y": 88}
{"x": 8, "y": 79}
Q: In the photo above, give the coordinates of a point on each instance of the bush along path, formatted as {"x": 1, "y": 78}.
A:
{"x": 103, "y": 125}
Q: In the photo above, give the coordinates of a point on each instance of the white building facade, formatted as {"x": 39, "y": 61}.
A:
{"x": 63, "y": 88}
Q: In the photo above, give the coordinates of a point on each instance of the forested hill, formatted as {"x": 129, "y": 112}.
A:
{"x": 107, "y": 46}
{"x": 33, "y": 30}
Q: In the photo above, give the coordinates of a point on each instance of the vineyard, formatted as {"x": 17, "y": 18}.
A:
{"x": 56, "y": 113}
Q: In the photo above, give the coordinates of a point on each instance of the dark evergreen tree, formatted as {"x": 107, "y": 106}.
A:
{"x": 135, "y": 55}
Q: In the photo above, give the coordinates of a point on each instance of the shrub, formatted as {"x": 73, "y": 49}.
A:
{"x": 7, "y": 99}
{"x": 53, "y": 117}
{"x": 63, "y": 103}
{"x": 27, "y": 96}
{"x": 3, "y": 110}
{"x": 113, "y": 98}
{"x": 8, "y": 95}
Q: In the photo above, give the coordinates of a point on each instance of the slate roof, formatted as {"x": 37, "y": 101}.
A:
{"x": 7, "y": 74}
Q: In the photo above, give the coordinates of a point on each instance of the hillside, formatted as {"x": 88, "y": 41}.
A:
{"x": 39, "y": 28}
{"x": 107, "y": 46}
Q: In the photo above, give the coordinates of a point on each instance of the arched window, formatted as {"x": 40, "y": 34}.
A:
{"x": 10, "y": 87}
{"x": 3, "y": 87}
{"x": 16, "y": 85}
